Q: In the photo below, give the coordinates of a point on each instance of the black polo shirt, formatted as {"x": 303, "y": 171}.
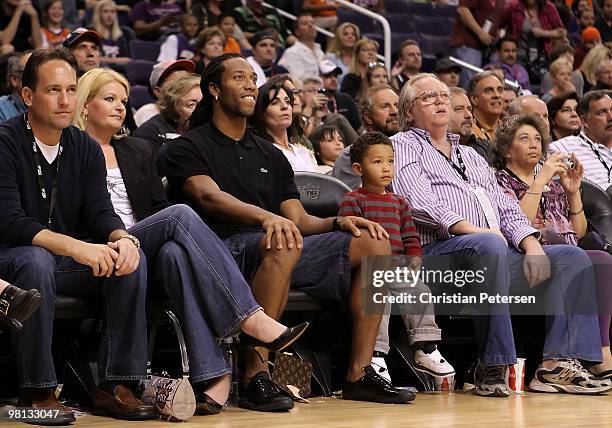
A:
{"x": 251, "y": 169}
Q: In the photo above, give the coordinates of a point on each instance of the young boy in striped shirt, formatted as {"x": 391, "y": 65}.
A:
{"x": 372, "y": 159}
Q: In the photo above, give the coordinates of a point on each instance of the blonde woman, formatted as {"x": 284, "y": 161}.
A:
{"x": 561, "y": 76}
{"x": 340, "y": 49}
{"x": 177, "y": 101}
{"x": 184, "y": 256}
{"x": 591, "y": 62}
{"x": 210, "y": 44}
{"x": 364, "y": 53}
{"x": 115, "y": 44}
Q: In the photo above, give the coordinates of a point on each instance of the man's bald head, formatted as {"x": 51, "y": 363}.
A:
{"x": 530, "y": 104}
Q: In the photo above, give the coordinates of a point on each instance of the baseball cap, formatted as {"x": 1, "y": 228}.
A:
{"x": 162, "y": 69}
{"x": 590, "y": 34}
{"x": 81, "y": 33}
{"x": 327, "y": 66}
{"x": 445, "y": 64}
{"x": 262, "y": 35}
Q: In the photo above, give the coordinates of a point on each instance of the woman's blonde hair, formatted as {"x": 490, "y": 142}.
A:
{"x": 360, "y": 44}
{"x": 335, "y": 46}
{"x": 88, "y": 87}
{"x": 559, "y": 64}
{"x": 591, "y": 62}
{"x": 96, "y": 22}
{"x": 173, "y": 92}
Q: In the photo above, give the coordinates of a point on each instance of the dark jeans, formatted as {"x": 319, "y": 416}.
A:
{"x": 123, "y": 348}
{"x": 568, "y": 335}
{"x": 205, "y": 286}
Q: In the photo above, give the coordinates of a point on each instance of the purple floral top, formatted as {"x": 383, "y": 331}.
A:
{"x": 555, "y": 201}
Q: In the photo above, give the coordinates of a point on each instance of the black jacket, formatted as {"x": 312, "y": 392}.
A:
{"x": 83, "y": 209}
{"x": 143, "y": 185}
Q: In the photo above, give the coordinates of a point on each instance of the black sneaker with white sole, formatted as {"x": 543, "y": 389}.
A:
{"x": 570, "y": 377}
{"x": 491, "y": 381}
{"x": 373, "y": 387}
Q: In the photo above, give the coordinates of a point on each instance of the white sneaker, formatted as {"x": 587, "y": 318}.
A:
{"x": 380, "y": 365}
{"x": 432, "y": 363}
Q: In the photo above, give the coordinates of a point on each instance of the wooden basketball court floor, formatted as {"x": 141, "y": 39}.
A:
{"x": 429, "y": 410}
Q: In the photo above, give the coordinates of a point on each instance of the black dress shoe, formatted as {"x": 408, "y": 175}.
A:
{"x": 373, "y": 387}
{"x": 16, "y": 306}
{"x": 281, "y": 342}
{"x": 206, "y": 405}
{"x": 263, "y": 395}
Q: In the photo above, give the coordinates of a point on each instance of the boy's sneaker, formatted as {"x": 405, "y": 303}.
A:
{"x": 432, "y": 363}
{"x": 491, "y": 381}
{"x": 380, "y": 365}
{"x": 570, "y": 377}
{"x": 372, "y": 387}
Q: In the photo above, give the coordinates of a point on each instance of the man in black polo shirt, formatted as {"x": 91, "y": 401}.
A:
{"x": 244, "y": 187}
{"x": 59, "y": 232}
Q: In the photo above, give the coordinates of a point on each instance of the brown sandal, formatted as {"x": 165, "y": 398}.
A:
{"x": 16, "y": 305}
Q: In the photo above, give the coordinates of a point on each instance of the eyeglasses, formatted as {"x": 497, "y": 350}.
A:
{"x": 430, "y": 97}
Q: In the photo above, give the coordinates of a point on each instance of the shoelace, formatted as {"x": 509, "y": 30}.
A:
{"x": 266, "y": 385}
{"x": 380, "y": 380}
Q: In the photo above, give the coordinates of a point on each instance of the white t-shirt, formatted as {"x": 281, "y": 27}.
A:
{"x": 49, "y": 152}
{"x": 300, "y": 158}
{"x": 119, "y": 197}
{"x": 145, "y": 113}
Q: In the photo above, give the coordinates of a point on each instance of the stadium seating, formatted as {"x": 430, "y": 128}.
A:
{"x": 139, "y": 96}
{"x": 139, "y": 71}
{"x": 142, "y": 49}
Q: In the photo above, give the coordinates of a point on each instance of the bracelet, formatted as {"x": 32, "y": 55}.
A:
{"x": 576, "y": 212}
{"x": 336, "y": 224}
{"x": 132, "y": 238}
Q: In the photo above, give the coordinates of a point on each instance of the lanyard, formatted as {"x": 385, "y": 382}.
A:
{"x": 598, "y": 154}
{"x": 460, "y": 169}
{"x": 39, "y": 173}
{"x": 543, "y": 204}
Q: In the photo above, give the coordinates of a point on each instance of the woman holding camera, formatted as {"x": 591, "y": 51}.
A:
{"x": 553, "y": 207}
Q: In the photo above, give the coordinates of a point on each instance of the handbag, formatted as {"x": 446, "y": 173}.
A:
{"x": 291, "y": 370}
{"x": 173, "y": 398}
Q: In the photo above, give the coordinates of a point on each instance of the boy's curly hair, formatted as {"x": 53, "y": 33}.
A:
{"x": 364, "y": 142}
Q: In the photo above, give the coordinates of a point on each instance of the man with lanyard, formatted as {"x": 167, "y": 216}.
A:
{"x": 59, "y": 233}
{"x": 461, "y": 213}
{"x": 245, "y": 188}
{"x": 593, "y": 146}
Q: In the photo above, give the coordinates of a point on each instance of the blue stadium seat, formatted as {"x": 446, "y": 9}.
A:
{"x": 428, "y": 63}
{"x": 446, "y": 10}
{"x": 395, "y": 6}
{"x": 365, "y": 24}
{"x": 400, "y": 22}
{"x": 432, "y": 25}
{"x": 435, "y": 45}
{"x": 419, "y": 8}
{"x": 139, "y": 96}
{"x": 142, "y": 49}
{"x": 139, "y": 71}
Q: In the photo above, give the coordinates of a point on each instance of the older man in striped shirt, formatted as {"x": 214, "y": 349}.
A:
{"x": 460, "y": 211}
{"x": 593, "y": 146}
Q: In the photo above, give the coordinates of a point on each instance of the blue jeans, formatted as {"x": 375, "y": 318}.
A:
{"x": 471, "y": 56}
{"x": 568, "y": 334}
{"x": 123, "y": 348}
{"x": 205, "y": 286}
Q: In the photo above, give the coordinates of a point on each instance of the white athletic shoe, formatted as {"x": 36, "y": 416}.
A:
{"x": 434, "y": 363}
